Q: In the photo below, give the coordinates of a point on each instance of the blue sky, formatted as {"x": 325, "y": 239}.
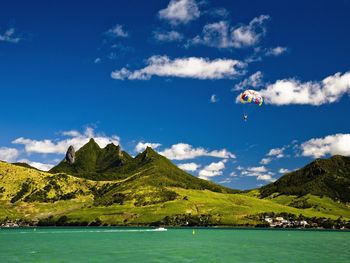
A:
{"x": 168, "y": 73}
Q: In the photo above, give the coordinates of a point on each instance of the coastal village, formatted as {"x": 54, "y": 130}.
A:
{"x": 286, "y": 220}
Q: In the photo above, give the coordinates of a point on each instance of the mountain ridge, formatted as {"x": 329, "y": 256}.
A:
{"x": 111, "y": 163}
{"x": 322, "y": 177}
{"x": 155, "y": 191}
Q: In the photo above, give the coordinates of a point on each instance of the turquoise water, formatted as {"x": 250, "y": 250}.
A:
{"x": 174, "y": 245}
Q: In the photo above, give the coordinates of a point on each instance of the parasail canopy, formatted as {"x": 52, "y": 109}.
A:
{"x": 251, "y": 96}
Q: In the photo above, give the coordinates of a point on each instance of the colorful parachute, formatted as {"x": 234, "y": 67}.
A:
{"x": 251, "y": 96}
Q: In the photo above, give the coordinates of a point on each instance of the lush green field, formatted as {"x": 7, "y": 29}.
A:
{"x": 76, "y": 198}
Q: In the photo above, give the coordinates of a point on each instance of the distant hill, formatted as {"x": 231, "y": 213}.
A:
{"x": 323, "y": 177}
{"x": 147, "y": 168}
{"x": 25, "y": 165}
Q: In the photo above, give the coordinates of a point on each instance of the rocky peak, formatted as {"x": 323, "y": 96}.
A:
{"x": 70, "y": 155}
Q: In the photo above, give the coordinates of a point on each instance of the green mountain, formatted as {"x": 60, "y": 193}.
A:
{"x": 107, "y": 186}
{"x": 93, "y": 162}
{"x": 323, "y": 177}
{"x": 146, "y": 169}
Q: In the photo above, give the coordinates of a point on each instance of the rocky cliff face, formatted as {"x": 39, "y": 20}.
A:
{"x": 70, "y": 155}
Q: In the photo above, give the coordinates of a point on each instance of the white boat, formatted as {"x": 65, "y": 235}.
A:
{"x": 160, "y": 229}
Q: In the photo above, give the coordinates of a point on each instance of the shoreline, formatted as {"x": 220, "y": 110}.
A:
{"x": 181, "y": 227}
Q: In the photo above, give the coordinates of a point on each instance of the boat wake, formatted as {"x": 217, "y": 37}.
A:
{"x": 160, "y": 229}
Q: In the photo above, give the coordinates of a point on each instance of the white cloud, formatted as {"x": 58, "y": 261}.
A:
{"x": 180, "y": 11}
{"x": 331, "y": 144}
{"x": 276, "y": 152}
{"x": 257, "y": 169}
{"x": 169, "y": 36}
{"x": 214, "y": 35}
{"x": 260, "y": 172}
{"x": 222, "y": 35}
{"x": 233, "y": 174}
{"x": 191, "y": 67}
{"x": 213, "y": 98}
{"x": 283, "y": 171}
{"x": 266, "y": 177}
{"x": 276, "y": 51}
{"x": 225, "y": 181}
{"x": 190, "y": 167}
{"x": 273, "y": 154}
{"x": 253, "y": 81}
{"x": 249, "y": 35}
{"x": 9, "y": 36}
{"x": 213, "y": 169}
{"x": 292, "y": 91}
{"x": 265, "y": 161}
{"x": 38, "y": 165}
{"x": 141, "y": 146}
{"x": 71, "y": 133}
{"x": 60, "y": 146}
{"x": 117, "y": 31}
{"x": 8, "y": 154}
{"x": 183, "y": 151}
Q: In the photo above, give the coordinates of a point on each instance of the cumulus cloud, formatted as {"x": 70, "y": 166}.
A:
{"x": 169, "y": 36}
{"x": 265, "y": 177}
{"x": 211, "y": 170}
{"x": 222, "y": 35}
{"x": 10, "y": 36}
{"x": 260, "y": 172}
{"x": 38, "y": 165}
{"x": 248, "y": 35}
{"x": 117, "y": 31}
{"x": 331, "y": 144}
{"x": 183, "y": 151}
{"x": 276, "y": 152}
{"x": 276, "y": 51}
{"x": 283, "y": 171}
{"x": 292, "y": 91}
{"x": 257, "y": 169}
{"x": 266, "y": 160}
{"x": 8, "y": 154}
{"x": 191, "y": 67}
{"x": 213, "y": 98}
{"x": 253, "y": 81}
{"x": 190, "y": 167}
{"x": 76, "y": 139}
{"x": 141, "y": 146}
{"x": 180, "y": 11}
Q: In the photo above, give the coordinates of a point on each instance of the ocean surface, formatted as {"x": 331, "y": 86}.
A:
{"x": 175, "y": 245}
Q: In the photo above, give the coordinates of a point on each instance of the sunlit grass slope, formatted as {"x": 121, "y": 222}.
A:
{"x": 32, "y": 195}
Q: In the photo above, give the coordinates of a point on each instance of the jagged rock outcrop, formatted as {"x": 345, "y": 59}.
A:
{"x": 70, "y": 155}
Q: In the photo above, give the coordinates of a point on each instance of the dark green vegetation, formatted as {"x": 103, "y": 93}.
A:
{"x": 147, "y": 168}
{"x": 328, "y": 177}
{"x": 95, "y": 186}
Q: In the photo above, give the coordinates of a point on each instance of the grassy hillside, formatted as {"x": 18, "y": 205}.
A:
{"x": 323, "y": 177}
{"x": 32, "y": 195}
